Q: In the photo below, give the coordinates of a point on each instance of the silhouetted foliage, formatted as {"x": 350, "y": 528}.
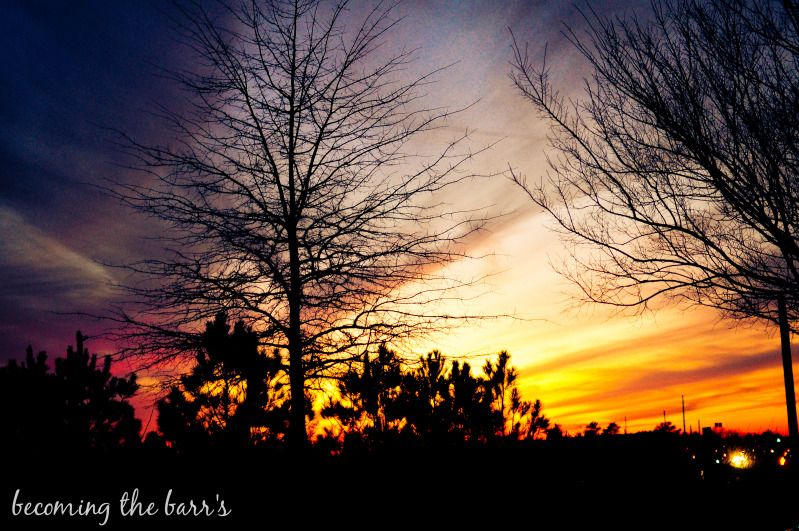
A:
{"x": 78, "y": 404}
{"x": 611, "y": 429}
{"x": 666, "y": 427}
{"x": 235, "y": 394}
{"x": 435, "y": 402}
{"x": 521, "y": 419}
{"x": 592, "y": 429}
{"x": 538, "y": 422}
{"x": 368, "y": 391}
{"x": 443, "y": 404}
{"x": 555, "y": 433}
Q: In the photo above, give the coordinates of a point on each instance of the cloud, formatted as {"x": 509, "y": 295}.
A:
{"x": 637, "y": 381}
{"x": 42, "y": 273}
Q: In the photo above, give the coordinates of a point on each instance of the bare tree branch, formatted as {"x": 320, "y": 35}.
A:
{"x": 676, "y": 175}
{"x": 291, "y": 192}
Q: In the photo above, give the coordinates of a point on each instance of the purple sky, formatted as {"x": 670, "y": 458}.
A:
{"x": 72, "y": 69}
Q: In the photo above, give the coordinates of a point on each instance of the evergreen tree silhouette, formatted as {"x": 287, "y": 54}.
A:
{"x": 472, "y": 417}
{"x": 77, "y": 405}
{"x": 437, "y": 402}
{"x": 367, "y": 396}
{"x": 234, "y": 396}
{"x": 538, "y": 422}
{"x": 519, "y": 418}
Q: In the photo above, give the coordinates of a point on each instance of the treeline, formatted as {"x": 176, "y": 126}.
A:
{"x": 236, "y": 395}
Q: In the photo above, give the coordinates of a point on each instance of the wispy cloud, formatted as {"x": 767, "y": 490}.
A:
{"x": 39, "y": 271}
{"x": 41, "y": 275}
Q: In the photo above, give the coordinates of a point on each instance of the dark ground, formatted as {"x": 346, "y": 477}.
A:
{"x": 627, "y": 483}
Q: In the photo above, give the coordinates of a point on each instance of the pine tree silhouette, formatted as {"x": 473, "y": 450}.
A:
{"x": 438, "y": 402}
{"x": 234, "y": 396}
{"x": 78, "y": 405}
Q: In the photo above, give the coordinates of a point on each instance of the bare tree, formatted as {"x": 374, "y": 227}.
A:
{"x": 294, "y": 195}
{"x": 676, "y": 174}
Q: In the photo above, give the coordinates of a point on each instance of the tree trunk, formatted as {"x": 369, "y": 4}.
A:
{"x": 787, "y": 369}
{"x": 297, "y": 434}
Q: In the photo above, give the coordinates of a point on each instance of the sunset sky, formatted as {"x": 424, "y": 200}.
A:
{"x": 73, "y": 69}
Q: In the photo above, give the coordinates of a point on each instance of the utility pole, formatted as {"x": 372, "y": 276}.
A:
{"x": 683, "y": 414}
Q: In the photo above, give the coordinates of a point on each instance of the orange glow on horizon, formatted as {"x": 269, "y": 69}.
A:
{"x": 587, "y": 364}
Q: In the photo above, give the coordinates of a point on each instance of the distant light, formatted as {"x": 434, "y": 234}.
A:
{"x": 717, "y": 461}
{"x": 781, "y": 460}
{"x": 740, "y": 460}
{"x": 772, "y": 450}
{"x": 779, "y": 440}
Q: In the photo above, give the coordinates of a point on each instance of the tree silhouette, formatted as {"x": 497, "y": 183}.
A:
{"x": 555, "y": 433}
{"x": 501, "y": 380}
{"x": 234, "y": 395}
{"x": 538, "y": 422}
{"x": 436, "y": 402}
{"x": 677, "y": 173}
{"x": 291, "y": 196}
{"x": 611, "y": 429}
{"x": 449, "y": 404}
{"x": 523, "y": 419}
{"x": 592, "y": 429}
{"x": 666, "y": 427}
{"x": 365, "y": 405}
{"x": 77, "y": 404}
{"x": 425, "y": 399}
